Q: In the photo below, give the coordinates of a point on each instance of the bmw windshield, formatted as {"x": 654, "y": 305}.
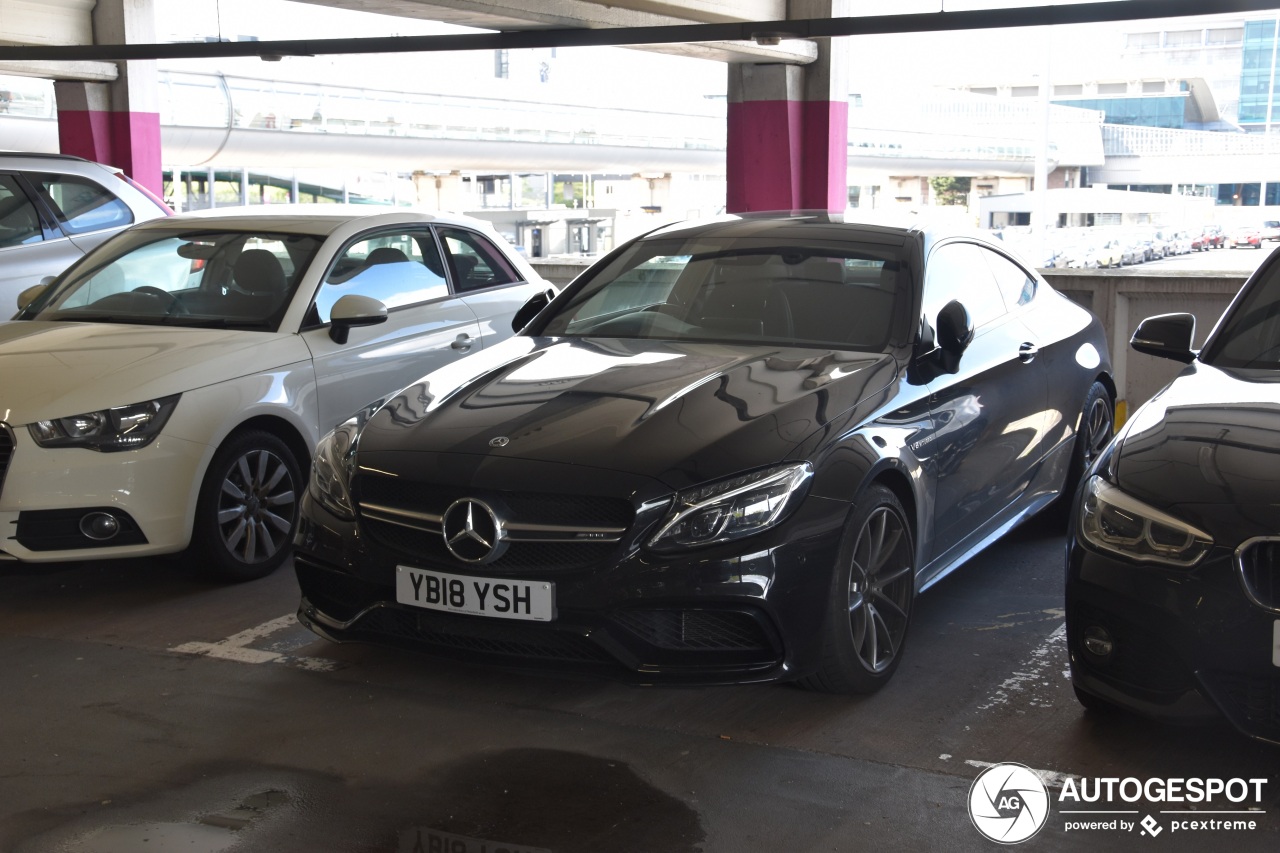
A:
{"x": 232, "y": 279}
{"x": 1250, "y": 335}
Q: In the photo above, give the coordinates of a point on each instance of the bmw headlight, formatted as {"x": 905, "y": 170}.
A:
{"x": 1115, "y": 521}
{"x": 734, "y": 508}
{"x": 107, "y": 430}
{"x": 331, "y": 470}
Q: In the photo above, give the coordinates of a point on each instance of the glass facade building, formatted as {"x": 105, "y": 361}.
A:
{"x": 1257, "y": 74}
{"x": 1163, "y": 111}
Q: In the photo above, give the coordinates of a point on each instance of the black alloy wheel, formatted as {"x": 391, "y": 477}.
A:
{"x": 248, "y": 508}
{"x": 870, "y": 606}
{"x": 1097, "y": 424}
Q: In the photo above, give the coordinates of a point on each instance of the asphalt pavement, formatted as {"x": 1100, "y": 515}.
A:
{"x": 149, "y": 710}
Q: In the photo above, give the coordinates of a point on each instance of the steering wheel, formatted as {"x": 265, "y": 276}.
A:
{"x": 173, "y": 304}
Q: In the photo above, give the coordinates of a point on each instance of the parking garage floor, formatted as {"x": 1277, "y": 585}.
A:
{"x": 146, "y": 709}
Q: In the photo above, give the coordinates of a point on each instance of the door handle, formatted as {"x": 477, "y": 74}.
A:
{"x": 1027, "y": 352}
{"x": 462, "y": 343}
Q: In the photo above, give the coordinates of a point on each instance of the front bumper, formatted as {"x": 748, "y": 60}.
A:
{"x": 743, "y": 612}
{"x": 45, "y": 492}
{"x": 1188, "y": 646}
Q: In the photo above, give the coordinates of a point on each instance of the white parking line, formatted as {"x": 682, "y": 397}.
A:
{"x": 1035, "y": 671}
{"x": 236, "y": 648}
{"x": 1050, "y": 778}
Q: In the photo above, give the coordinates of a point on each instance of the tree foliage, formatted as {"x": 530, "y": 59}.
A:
{"x": 951, "y": 190}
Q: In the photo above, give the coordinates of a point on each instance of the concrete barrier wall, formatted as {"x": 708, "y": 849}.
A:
{"x": 1123, "y": 298}
{"x": 1120, "y": 298}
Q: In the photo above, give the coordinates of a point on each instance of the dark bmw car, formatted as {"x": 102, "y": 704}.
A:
{"x": 1173, "y": 575}
{"x": 730, "y": 451}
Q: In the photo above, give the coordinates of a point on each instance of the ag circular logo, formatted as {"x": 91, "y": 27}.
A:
{"x": 1008, "y": 803}
{"x": 472, "y": 531}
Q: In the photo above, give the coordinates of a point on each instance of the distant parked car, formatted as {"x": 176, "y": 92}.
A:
{"x": 1180, "y": 243}
{"x": 1246, "y": 238}
{"x": 168, "y": 388}
{"x": 1105, "y": 254}
{"x": 1270, "y": 230}
{"x": 53, "y": 209}
{"x": 1213, "y": 237}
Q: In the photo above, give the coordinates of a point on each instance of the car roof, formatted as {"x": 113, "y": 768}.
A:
{"x": 887, "y": 227}
{"x": 318, "y": 219}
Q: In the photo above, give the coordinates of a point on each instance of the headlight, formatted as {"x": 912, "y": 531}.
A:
{"x": 331, "y": 470}
{"x": 732, "y": 509}
{"x": 121, "y": 428}
{"x": 1113, "y": 520}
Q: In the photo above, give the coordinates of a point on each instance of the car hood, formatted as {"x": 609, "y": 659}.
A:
{"x": 684, "y": 413}
{"x": 51, "y": 370}
{"x": 1207, "y": 449}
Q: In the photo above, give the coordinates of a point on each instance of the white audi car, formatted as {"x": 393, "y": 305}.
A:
{"x": 166, "y": 391}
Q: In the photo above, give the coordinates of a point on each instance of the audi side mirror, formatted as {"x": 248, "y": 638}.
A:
{"x": 354, "y": 310}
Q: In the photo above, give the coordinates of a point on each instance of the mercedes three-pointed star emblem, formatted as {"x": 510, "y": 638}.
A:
{"x": 472, "y": 531}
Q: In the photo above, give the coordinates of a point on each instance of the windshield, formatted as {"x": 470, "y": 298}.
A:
{"x": 1250, "y": 334}
{"x": 833, "y": 295}
{"x": 232, "y": 279}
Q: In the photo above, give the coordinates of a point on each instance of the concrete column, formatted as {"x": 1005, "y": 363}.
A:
{"x": 116, "y": 123}
{"x": 788, "y": 127}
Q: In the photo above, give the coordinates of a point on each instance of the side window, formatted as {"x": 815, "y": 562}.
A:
{"x": 82, "y": 205}
{"x": 395, "y": 267}
{"x": 474, "y": 261}
{"x": 1017, "y": 287}
{"x": 19, "y": 222}
{"x": 958, "y": 271}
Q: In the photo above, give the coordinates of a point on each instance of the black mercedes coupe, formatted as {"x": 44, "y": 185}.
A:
{"x": 730, "y": 451}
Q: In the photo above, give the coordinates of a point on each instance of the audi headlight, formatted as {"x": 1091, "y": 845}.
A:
{"x": 331, "y": 470}
{"x": 734, "y": 508}
{"x": 1113, "y": 520}
{"x": 107, "y": 430}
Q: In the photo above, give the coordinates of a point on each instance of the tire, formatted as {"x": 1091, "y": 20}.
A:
{"x": 1097, "y": 423}
{"x": 247, "y": 511}
{"x": 869, "y": 608}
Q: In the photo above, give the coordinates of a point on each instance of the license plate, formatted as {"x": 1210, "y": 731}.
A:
{"x": 503, "y": 598}
{"x": 1275, "y": 643}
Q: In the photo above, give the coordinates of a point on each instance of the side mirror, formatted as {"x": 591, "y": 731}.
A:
{"x": 354, "y": 310}
{"x": 32, "y": 293}
{"x": 955, "y": 328}
{"x": 1166, "y": 336}
{"x": 530, "y": 309}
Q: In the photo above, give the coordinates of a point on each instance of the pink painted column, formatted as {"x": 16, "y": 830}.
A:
{"x": 116, "y": 123}
{"x": 788, "y": 128}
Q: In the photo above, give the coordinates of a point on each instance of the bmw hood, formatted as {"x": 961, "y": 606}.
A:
{"x": 51, "y": 370}
{"x": 681, "y": 412}
{"x": 1207, "y": 449}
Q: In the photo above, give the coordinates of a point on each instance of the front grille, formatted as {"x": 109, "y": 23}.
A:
{"x": 6, "y": 452}
{"x": 695, "y": 630}
{"x": 1139, "y": 659}
{"x": 419, "y": 539}
{"x": 1252, "y": 702}
{"x": 1258, "y": 562}
{"x": 446, "y": 633}
{"x": 526, "y": 507}
{"x": 427, "y": 547}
